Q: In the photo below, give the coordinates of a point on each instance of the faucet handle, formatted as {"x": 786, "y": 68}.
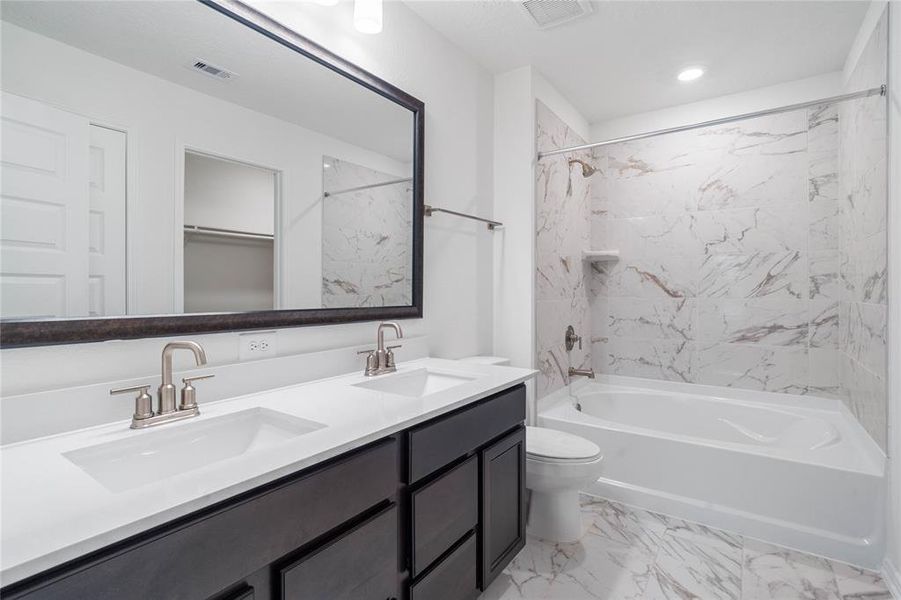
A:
{"x": 372, "y": 362}
{"x": 389, "y": 355}
{"x": 189, "y": 392}
{"x": 143, "y": 400}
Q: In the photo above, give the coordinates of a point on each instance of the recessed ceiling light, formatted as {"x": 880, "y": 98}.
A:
{"x": 690, "y": 74}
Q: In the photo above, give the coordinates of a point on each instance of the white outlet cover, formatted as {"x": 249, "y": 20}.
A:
{"x": 256, "y": 345}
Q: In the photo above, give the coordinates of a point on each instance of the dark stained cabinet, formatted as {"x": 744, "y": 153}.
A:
{"x": 431, "y": 513}
{"x": 443, "y": 512}
{"x": 503, "y": 503}
{"x": 360, "y": 564}
{"x": 454, "y": 578}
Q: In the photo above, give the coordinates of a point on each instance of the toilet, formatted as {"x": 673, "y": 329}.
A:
{"x": 558, "y": 466}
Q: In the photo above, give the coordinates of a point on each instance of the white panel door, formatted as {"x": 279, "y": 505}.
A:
{"x": 43, "y": 211}
{"x": 107, "y": 223}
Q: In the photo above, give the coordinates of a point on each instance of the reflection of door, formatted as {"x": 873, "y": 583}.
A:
{"x": 43, "y": 211}
{"x": 107, "y": 222}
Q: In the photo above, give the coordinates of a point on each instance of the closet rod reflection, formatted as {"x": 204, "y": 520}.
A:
{"x": 881, "y": 90}
{"x": 232, "y": 233}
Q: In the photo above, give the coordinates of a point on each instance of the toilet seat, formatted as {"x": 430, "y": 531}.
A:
{"x": 553, "y": 446}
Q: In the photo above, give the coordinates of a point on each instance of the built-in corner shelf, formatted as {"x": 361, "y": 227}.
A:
{"x": 600, "y": 255}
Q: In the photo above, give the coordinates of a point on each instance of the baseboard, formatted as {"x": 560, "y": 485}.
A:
{"x": 892, "y": 578}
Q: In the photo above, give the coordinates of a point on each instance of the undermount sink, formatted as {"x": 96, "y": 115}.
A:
{"x": 415, "y": 384}
{"x": 152, "y": 456}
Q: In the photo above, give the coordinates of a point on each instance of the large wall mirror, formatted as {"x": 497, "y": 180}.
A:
{"x": 183, "y": 167}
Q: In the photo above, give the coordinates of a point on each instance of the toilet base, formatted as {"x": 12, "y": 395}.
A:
{"x": 555, "y": 516}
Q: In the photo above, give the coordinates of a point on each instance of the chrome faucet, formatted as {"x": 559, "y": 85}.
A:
{"x": 144, "y": 416}
{"x": 581, "y": 372}
{"x": 381, "y": 360}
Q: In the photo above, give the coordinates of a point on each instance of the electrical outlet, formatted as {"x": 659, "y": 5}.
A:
{"x": 255, "y": 345}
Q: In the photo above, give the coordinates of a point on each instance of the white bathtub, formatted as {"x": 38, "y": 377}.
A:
{"x": 792, "y": 470}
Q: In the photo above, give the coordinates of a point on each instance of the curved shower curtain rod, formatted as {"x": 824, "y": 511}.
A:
{"x": 881, "y": 90}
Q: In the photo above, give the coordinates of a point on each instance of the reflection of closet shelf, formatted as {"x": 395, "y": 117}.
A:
{"x": 600, "y": 255}
{"x": 232, "y": 233}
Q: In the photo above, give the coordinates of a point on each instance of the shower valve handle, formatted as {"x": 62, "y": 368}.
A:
{"x": 571, "y": 339}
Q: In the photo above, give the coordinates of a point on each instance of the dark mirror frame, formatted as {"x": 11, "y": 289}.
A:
{"x": 71, "y": 331}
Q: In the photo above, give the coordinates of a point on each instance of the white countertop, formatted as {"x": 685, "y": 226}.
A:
{"x": 52, "y": 511}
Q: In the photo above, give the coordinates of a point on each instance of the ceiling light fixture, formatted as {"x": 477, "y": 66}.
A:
{"x": 690, "y": 74}
{"x": 368, "y": 16}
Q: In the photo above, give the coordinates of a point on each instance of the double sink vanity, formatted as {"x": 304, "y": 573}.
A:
{"x": 408, "y": 484}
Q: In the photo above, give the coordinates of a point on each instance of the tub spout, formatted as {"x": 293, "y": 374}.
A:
{"x": 583, "y": 372}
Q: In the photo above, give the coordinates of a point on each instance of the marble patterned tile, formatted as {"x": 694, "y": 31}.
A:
{"x": 825, "y": 374}
{"x": 824, "y": 267}
{"x": 865, "y": 396}
{"x": 670, "y": 360}
{"x": 769, "y": 229}
{"x": 613, "y": 523}
{"x": 755, "y": 367}
{"x": 686, "y": 568}
{"x": 781, "y": 274}
{"x": 866, "y": 335}
{"x": 366, "y": 241}
{"x": 823, "y": 317}
{"x": 855, "y": 583}
{"x": 583, "y": 570}
{"x": 653, "y": 277}
{"x": 656, "y": 318}
{"x": 628, "y": 553}
{"x": 768, "y": 321}
{"x": 701, "y": 534}
{"x": 773, "y": 573}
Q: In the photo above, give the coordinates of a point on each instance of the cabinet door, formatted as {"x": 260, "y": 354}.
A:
{"x": 503, "y": 504}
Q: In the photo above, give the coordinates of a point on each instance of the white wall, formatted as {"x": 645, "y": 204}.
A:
{"x": 515, "y": 95}
{"x": 458, "y": 95}
{"x": 793, "y": 92}
{"x": 893, "y": 559}
{"x": 228, "y": 195}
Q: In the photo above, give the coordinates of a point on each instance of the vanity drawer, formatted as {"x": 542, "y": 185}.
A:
{"x": 363, "y": 563}
{"x": 454, "y": 578}
{"x": 443, "y": 512}
{"x": 439, "y": 443}
{"x": 196, "y": 555}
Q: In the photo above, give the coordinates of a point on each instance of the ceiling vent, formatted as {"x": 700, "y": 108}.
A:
{"x": 210, "y": 70}
{"x": 551, "y": 13}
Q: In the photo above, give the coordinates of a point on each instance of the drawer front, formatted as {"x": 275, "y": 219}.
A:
{"x": 194, "y": 559}
{"x": 454, "y": 578}
{"x": 436, "y": 444}
{"x": 360, "y": 564}
{"x": 443, "y": 511}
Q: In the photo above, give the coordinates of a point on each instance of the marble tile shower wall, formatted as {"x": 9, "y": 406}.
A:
{"x": 563, "y": 229}
{"x": 366, "y": 238}
{"x": 862, "y": 240}
{"x": 729, "y": 263}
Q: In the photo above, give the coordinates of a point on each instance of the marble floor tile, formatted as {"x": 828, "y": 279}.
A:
{"x": 855, "y": 583}
{"x": 632, "y": 554}
{"x": 773, "y": 573}
{"x": 686, "y": 569}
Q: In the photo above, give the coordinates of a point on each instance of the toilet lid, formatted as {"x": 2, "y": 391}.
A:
{"x": 551, "y": 443}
